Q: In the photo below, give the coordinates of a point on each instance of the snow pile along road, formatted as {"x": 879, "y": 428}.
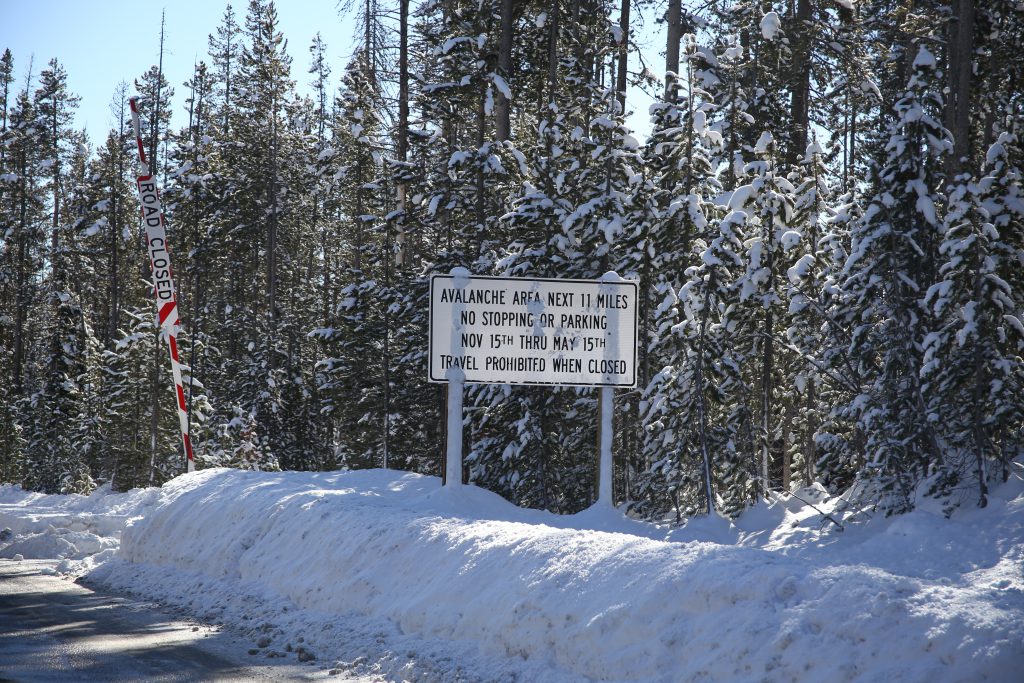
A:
{"x": 435, "y": 576}
{"x": 83, "y": 531}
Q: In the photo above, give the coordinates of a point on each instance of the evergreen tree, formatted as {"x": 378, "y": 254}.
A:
{"x": 888, "y": 270}
{"x": 972, "y": 363}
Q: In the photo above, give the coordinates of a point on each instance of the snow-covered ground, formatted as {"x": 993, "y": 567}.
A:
{"x": 385, "y": 572}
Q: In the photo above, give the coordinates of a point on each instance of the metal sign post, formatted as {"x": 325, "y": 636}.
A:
{"x": 533, "y": 331}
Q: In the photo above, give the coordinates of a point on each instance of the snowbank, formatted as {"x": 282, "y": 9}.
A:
{"x": 81, "y": 530}
{"x": 527, "y": 595}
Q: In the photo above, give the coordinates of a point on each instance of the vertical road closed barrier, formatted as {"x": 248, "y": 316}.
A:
{"x": 532, "y": 331}
{"x": 163, "y": 278}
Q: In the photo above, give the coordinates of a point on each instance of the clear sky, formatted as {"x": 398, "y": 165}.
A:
{"x": 103, "y": 42}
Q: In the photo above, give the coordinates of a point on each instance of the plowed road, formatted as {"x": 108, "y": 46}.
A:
{"x": 53, "y": 630}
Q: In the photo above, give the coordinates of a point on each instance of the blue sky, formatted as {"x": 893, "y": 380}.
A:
{"x": 103, "y": 42}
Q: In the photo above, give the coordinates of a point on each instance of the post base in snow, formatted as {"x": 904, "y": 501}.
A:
{"x": 605, "y": 407}
{"x": 453, "y": 451}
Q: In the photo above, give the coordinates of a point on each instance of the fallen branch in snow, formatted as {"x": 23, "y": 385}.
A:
{"x": 812, "y": 505}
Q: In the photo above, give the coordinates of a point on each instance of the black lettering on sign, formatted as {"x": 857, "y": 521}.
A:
{"x": 559, "y": 298}
{"x": 606, "y": 367}
{"x": 505, "y": 364}
{"x": 533, "y": 341}
{"x": 564, "y": 343}
{"x": 489, "y": 297}
{"x": 583, "y": 321}
{"x": 562, "y": 364}
{"x": 464, "y": 362}
{"x": 507, "y": 319}
{"x": 612, "y": 301}
{"x": 523, "y": 298}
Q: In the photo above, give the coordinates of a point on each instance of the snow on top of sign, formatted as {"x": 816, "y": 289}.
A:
{"x": 461, "y": 275}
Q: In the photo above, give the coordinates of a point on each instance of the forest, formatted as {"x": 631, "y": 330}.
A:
{"x": 826, "y": 221}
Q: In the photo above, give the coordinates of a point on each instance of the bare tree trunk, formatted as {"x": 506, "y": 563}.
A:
{"x": 115, "y": 235}
{"x": 965, "y": 70}
{"x": 978, "y": 390}
{"x": 502, "y": 106}
{"x": 810, "y": 448}
{"x": 403, "y": 123}
{"x": 154, "y": 131}
{"x": 154, "y": 405}
{"x": 371, "y": 54}
{"x": 154, "y": 392}
{"x": 272, "y": 227}
{"x": 22, "y": 303}
{"x": 767, "y": 368}
{"x": 620, "y": 81}
{"x": 702, "y": 408}
{"x": 481, "y": 198}
{"x": 787, "y": 444}
{"x": 674, "y": 32}
{"x": 553, "y": 53}
{"x": 800, "y": 100}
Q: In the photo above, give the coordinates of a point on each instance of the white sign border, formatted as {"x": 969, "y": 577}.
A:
{"x": 636, "y": 315}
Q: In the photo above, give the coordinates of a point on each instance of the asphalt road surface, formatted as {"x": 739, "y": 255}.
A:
{"x": 53, "y": 630}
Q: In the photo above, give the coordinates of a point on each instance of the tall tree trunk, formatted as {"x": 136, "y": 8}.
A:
{"x": 272, "y": 230}
{"x": 154, "y": 393}
{"x": 702, "y": 407}
{"x": 553, "y": 53}
{"x": 787, "y": 443}
{"x": 810, "y": 448}
{"x": 623, "y": 72}
{"x": 22, "y": 303}
{"x": 502, "y": 106}
{"x": 978, "y": 430}
{"x": 371, "y": 54}
{"x": 154, "y": 130}
{"x": 800, "y": 99}
{"x": 154, "y": 405}
{"x": 674, "y": 33}
{"x": 767, "y": 387}
{"x": 964, "y": 68}
{"x": 481, "y": 197}
{"x": 402, "y": 148}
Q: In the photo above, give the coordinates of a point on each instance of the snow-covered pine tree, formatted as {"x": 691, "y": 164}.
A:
{"x": 22, "y": 243}
{"x": 64, "y": 423}
{"x": 972, "y": 363}
{"x": 686, "y": 410}
{"x": 820, "y": 253}
{"x": 515, "y": 448}
{"x": 888, "y": 271}
{"x": 55, "y": 457}
{"x": 676, "y": 229}
{"x": 261, "y": 327}
{"x": 132, "y": 456}
{"x": 251, "y": 452}
{"x": 351, "y": 383}
{"x": 760, "y": 316}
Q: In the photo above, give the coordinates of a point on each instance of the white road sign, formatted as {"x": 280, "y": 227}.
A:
{"x": 533, "y": 330}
